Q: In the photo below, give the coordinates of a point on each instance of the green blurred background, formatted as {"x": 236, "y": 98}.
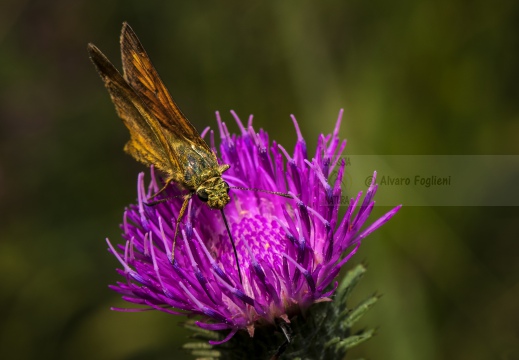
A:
{"x": 414, "y": 77}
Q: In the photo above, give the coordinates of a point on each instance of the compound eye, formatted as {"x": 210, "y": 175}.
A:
{"x": 227, "y": 188}
{"x": 202, "y": 195}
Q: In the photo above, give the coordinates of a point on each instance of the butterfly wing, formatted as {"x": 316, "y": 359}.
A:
{"x": 140, "y": 73}
{"x": 148, "y": 142}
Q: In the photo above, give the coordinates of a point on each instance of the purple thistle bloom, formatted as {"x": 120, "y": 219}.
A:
{"x": 290, "y": 250}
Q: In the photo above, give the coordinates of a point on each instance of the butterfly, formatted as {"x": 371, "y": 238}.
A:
{"x": 160, "y": 134}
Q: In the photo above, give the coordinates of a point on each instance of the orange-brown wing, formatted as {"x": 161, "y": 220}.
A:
{"x": 148, "y": 143}
{"x": 140, "y": 73}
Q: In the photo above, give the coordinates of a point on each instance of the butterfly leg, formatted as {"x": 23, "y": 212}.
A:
{"x": 187, "y": 197}
{"x": 155, "y": 202}
{"x": 166, "y": 183}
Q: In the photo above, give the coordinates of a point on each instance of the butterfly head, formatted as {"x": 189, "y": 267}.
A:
{"x": 215, "y": 192}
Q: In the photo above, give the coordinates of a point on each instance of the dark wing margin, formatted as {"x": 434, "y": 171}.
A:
{"x": 148, "y": 143}
{"x": 140, "y": 73}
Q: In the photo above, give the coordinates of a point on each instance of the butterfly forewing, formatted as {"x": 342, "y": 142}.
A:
{"x": 144, "y": 130}
{"x": 140, "y": 73}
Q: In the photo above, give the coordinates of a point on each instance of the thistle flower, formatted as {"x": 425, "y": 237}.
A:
{"x": 289, "y": 250}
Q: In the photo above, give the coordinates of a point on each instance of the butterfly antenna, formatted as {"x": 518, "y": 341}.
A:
{"x": 233, "y": 245}
{"x": 264, "y": 191}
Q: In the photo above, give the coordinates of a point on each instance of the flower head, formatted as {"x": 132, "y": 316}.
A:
{"x": 289, "y": 250}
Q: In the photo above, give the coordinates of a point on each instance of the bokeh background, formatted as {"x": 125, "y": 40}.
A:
{"x": 414, "y": 77}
